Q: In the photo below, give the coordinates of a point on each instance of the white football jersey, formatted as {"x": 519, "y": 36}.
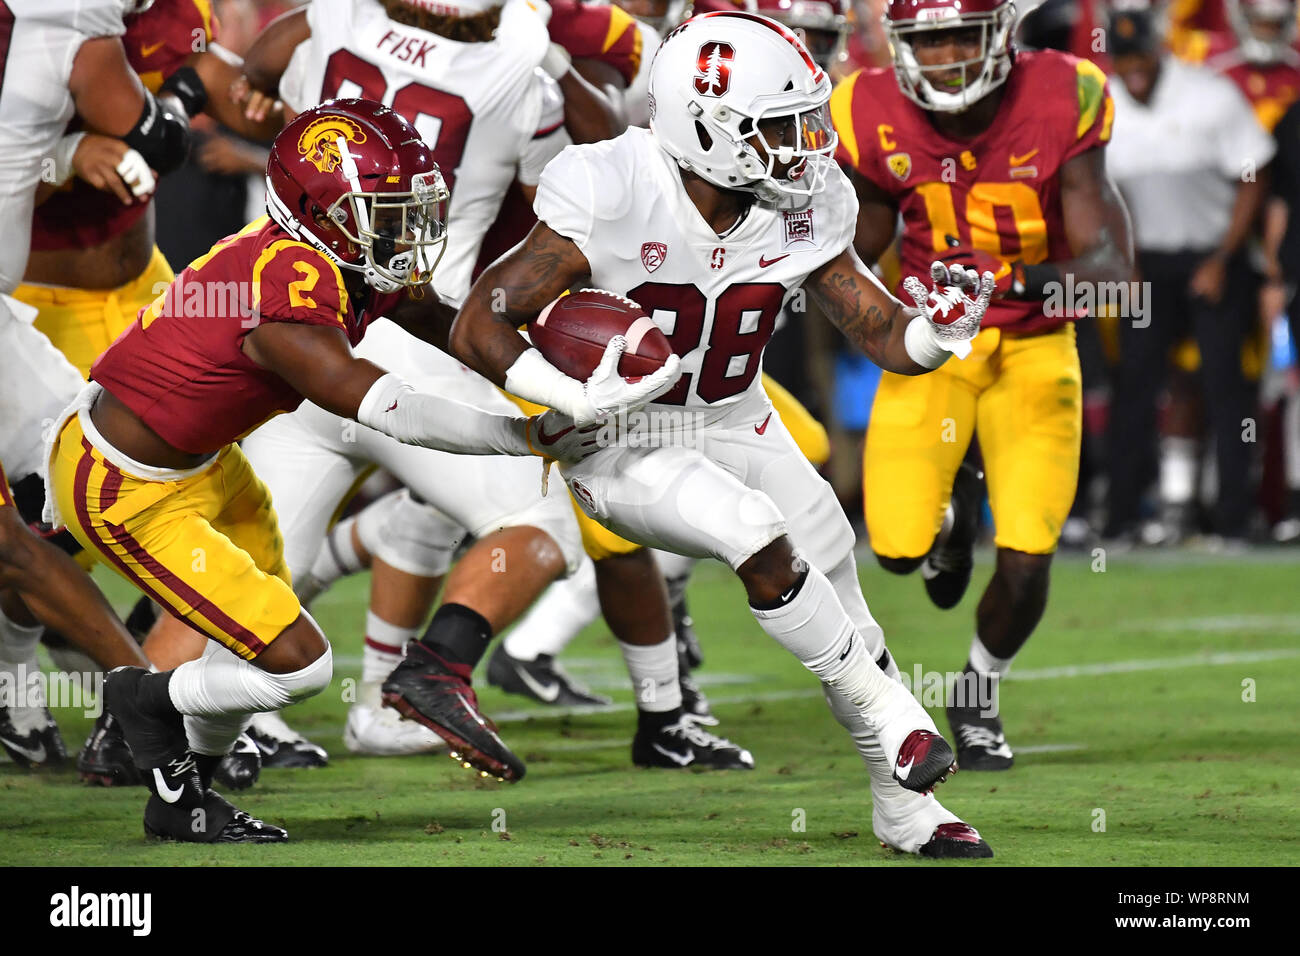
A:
{"x": 716, "y": 298}
{"x": 39, "y": 40}
{"x": 486, "y": 110}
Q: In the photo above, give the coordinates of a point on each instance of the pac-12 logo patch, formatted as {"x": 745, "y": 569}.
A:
{"x": 798, "y": 226}
{"x": 319, "y": 141}
{"x": 900, "y": 164}
{"x": 713, "y": 68}
{"x": 653, "y": 255}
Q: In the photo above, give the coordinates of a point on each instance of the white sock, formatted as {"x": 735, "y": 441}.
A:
{"x": 1178, "y": 463}
{"x": 983, "y": 662}
{"x": 815, "y": 628}
{"x": 23, "y": 692}
{"x": 219, "y": 684}
{"x": 385, "y": 647}
{"x": 848, "y": 589}
{"x": 676, "y": 569}
{"x": 337, "y": 555}
{"x": 653, "y": 670}
{"x": 18, "y": 643}
{"x": 214, "y": 735}
{"x": 555, "y": 618}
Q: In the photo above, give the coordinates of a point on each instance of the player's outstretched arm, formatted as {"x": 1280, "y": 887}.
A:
{"x": 908, "y": 341}
{"x": 509, "y": 294}
{"x": 318, "y": 363}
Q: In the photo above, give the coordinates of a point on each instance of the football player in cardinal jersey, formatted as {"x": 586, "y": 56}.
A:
{"x": 711, "y": 220}
{"x": 996, "y": 155}
{"x": 145, "y": 468}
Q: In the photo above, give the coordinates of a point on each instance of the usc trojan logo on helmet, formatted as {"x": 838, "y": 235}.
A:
{"x": 319, "y": 141}
{"x": 713, "y": 68}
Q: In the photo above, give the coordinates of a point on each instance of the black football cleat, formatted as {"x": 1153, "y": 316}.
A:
{"x": 685, "y": 744}
{"x": 42, "y": 746}
{"x": 695, "y": 705}
{"x": 947, "y": 569}
{"x": 157, "y": 741}
{"x": 214, "y": 820}
{"x": 688, "y": 643}
{"x": 981, "y": 744}
{"x": 542, "y": 680}
{"x": 105, "y": 759}
{"x": 956, "y": 841}
{"x": 437, "y": 694}
{"x": 239, "y": 769}
{"x": 282, "y": 747}
{"x": 924, "y": 760}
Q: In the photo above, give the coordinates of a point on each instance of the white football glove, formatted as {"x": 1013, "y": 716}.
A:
{"x": 135, "y": 172}
{"x": 607, "y": 391}
{"x": 953, "y": 287}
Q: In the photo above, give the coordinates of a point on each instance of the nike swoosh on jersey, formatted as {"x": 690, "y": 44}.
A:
{"x": 547, "y": 692}
{"x": 763, "y": 427}
{"x": 149, "y": 49}
{"x": 682, "y": 760}
{"x": 764, "y": 261}
{"x": 1021, "y": 160}
{"x": 164, "y": 791}
{"x": 34, "y": 754}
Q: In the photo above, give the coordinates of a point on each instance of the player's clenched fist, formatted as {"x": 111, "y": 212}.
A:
{"x": 954, "y": 316}
{"x": 607, "y": 391}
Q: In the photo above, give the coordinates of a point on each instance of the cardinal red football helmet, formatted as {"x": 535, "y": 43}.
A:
{"x": 905, "y": 20}
{"x": 355, "y": 180}
{"x": 1264, "y": 28}
{"x": 822, "y": 25}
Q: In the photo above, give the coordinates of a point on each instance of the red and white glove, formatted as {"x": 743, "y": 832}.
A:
{"x": 1004, "y": 273}
{"x": 949, "y": 317}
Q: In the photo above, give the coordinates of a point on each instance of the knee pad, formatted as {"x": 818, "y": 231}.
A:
{"x": 409, "y": 535}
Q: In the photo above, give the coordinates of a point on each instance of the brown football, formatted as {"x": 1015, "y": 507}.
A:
{"x": 572, "y": 333}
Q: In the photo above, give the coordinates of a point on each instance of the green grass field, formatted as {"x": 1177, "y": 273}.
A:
{"x": 1128, "y": 702}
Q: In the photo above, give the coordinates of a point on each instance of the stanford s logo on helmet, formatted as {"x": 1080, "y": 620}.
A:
{"x": 354, "y": 179}
{"x": 994, "y": 19}
{"x": 713, "y": 69}
{"x": 716, "y": 78}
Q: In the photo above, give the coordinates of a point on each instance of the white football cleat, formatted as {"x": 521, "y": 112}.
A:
{"x": 381, "y": 731}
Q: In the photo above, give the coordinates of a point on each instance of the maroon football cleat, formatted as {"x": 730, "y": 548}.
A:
{"x": 952, "y": 841}
{"x": 436, "y": 693}
{"x": 925, "y": 759}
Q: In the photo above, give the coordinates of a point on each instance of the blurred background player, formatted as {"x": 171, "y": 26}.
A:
{"x": 996, "y": 157}
{"x": 62, "y": 60}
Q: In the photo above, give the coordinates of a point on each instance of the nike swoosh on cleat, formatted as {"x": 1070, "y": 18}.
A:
{"x": 547, "y": 692}
{"x": 34, "y": 754}
{"x": 164, "y": 791}
{"x": 759, "y": 429}
{"x": 903, "y": 771}
{"x": 682, "y": 760}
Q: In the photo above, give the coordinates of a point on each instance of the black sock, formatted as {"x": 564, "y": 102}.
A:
{"x": 652, "y": 721}
{"x": 155, "y": 696}
{"x": 783, "y": 599}
{"x": 458, "y": 634}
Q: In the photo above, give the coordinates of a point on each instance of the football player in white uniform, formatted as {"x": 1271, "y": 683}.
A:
{"x": 712, "y": 221}
{"x": 58, "y": 58}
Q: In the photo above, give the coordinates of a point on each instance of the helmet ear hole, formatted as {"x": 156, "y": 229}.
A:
{"x": 706, "y": 141}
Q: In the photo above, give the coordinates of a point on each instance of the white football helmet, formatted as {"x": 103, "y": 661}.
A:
{"x": 720, "y": 74}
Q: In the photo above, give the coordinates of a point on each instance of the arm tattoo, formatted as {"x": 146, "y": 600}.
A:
{"x": 840, "y": 298}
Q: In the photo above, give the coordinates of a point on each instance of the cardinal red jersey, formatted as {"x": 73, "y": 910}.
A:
{"x": 157, "y": 43}
{"x": 597, "y": 31}
{"x": 181, "y": 367}
{"x": 999, "y": 192}
{"x": 1271, "y": 88}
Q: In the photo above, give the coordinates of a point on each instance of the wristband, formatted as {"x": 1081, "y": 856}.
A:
{"x": 64, "y": 150}
{"x": 1031, "y": 282}
{"x": 536, "y": 380}
{"x": 923, "y": 346}
{"x": 186, "y": 86}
